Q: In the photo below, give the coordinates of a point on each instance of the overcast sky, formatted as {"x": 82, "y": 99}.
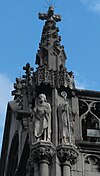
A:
{"x": 20, "y": 32}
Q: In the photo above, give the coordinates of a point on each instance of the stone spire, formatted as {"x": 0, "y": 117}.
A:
{"x": 43, "y": 102}
{"x": 50, "y": 52}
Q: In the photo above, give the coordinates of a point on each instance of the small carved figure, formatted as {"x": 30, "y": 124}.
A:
{"x": 42, "y": 119}
{"x": 70, "y": 78}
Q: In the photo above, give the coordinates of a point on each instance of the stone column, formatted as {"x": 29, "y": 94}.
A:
{"x": 44, "y": 168}
{"x": 54, "y": 118}
{"x": 66, "y": 168}
{"x": 41, "y": 153}
{"x": 67, "y": 155}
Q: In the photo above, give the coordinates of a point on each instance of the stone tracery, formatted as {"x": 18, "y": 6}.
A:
{"x": 90, "y": 120}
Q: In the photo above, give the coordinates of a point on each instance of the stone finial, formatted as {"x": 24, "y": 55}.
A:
{"x": 28, "y": 71}
{"x": 50, "y": 15}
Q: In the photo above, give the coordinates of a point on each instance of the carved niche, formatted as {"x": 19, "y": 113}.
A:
{"x": 90, "y": 120}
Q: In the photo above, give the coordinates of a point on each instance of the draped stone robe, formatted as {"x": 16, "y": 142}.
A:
{"x": 42, "y": 121}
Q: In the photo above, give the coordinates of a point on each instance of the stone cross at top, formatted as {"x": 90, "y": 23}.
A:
{"x": 50, "y": 15}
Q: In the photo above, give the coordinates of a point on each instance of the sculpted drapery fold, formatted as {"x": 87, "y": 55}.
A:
{"x": 66, "y": 123}
{"x": 42, "y": 119}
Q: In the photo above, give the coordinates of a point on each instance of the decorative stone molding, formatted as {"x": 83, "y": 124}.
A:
{"x": 54, "y": 78}
{"x": 42, "y": 151}
{"x": 92, "y": 159}
{"x": 43, "y": 75}
{"x": 67, "y": 153}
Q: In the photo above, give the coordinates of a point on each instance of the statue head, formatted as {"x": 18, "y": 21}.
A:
{"x": 42, "y": 98}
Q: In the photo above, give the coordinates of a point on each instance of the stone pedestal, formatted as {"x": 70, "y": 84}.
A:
{"x": 41, "y": 153}
{"x": 67, "y": 155}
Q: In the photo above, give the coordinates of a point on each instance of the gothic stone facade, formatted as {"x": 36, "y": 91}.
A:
{"x": 51, "y": 128}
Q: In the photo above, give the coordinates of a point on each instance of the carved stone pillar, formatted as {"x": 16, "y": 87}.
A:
{"x": 44, "y": 168}
{"x": 66, "y": 169}
{"x": 41, "y": 154}
{"x": 67, "y": 155}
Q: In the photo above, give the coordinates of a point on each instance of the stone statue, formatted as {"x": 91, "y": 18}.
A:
{"x": 65, "y": 125}
{"x": 66, "y": 122}
{"x": 42, "y": 119}
{"x": 70, "y": 80}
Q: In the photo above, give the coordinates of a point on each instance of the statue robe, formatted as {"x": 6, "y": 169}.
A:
{"x": 42, "y": 119}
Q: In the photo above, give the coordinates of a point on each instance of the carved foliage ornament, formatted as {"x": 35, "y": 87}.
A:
{"x": 67, "y": 153}
{"x": 42, "y": 153}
